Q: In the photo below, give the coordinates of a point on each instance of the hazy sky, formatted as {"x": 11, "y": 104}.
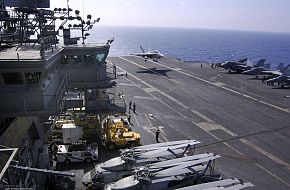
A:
{"x": 252, "y": 15}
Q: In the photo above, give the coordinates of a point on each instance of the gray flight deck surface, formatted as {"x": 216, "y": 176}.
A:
{"x": 243, "y": 120}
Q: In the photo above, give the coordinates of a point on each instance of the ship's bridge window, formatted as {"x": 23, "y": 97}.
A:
{"x": 64, "y": 59}
{"x": 12, "y": 78}
{"x": 32, "y": 78}
{"x": 89, "y": 59}
{"x": 100, "y": 57}
{"x": 76, "y": 58}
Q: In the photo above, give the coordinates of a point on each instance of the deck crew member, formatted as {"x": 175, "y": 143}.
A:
{"x": 134, "y": 108}
{"x": 130, "y": 104}
{"x": 263, "y": 80}
{"x": 157, "y": 135}
{"x": 129, "y": 118}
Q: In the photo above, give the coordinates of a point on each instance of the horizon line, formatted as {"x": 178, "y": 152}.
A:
{"x": 214, "y": 29}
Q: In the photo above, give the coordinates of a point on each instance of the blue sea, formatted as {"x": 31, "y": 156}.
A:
{"x": 196, "y": 44}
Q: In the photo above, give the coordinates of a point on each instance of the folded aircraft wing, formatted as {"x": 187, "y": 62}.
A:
{"x": 237, "y": 187}
{"x": 160, "y": 153}
{"x": 220, "y": 183}
{"x": 164, "y": 144}
{"x": 167, "y": 150}
{"x": 178, "y": 161}
{"x": 176, "y": 172}
{"x": 186, "y": 167}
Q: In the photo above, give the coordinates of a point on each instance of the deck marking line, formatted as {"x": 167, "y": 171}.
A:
{"x": 214, "y": 126}
{"x": 146, "y": 98}
{"x": 176, "y": 82}
{"x": 136, "y": 120}
{"x": 138, "y": 79}
{"x": 277, "y": 107}
{"x": 271, "y": 157}
{"x": 223, "y": 87}
{"x": 148, "y": 120}
{"x": 126, "y": 84}
{"x": 235, "y": 150}
{"x": 271, "y": 173}
{"x": 250, "y": 97}
{"x": 267, "y": 154}
{"x": 163, "y": 93}
{"x": 202, "y": 116}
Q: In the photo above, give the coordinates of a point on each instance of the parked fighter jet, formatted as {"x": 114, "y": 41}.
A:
{"x": 119, "y": 167}
{"x": 273, "y": 74}
{"x": 180, "y": 175}
{"x": 282, "y": 81}
{"x": 257, "y": 70}
{"x": 242, "y": 65}
{"x": 155, "y": 55}
{"x": 262, "y": 71}
{"x": 226, "y": 184}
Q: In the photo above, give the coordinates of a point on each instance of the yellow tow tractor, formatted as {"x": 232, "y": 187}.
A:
{"x": 116, "y": 133}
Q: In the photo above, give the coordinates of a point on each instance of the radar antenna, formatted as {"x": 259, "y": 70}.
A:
{"x": 83, "y": 25}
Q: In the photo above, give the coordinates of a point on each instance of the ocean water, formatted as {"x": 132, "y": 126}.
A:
{"x": 196, "y": 44}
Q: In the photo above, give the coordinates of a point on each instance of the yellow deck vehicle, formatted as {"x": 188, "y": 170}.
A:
{"x": 116, "y": 133}
{"x": 85, "y": 120}
{"x": 90, "y": 124}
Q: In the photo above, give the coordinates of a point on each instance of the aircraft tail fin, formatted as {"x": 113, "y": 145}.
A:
{"x": 142, "y": 49}
{"x": 286, "y": 70}
{"x": 280, "y": 67}
{"x": 243, "y": 60}
{"x": 249, "y": 63}
{"x": 261, "y": 63}
{"x": 267, "y": 66}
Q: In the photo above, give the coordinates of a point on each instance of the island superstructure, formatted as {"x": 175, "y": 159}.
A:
{"x": 38, "y": 77}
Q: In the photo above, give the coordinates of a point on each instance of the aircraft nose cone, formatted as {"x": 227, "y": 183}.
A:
{"x": 225, "y": 65}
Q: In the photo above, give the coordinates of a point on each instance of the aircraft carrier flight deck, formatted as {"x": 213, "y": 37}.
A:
{"x": 241, "y": 119}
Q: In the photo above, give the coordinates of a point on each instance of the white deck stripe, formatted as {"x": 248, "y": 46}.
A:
{"x": 252, "y": 145}
{"x": 267, "y": 154}
{"x": 225, "y": 88}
